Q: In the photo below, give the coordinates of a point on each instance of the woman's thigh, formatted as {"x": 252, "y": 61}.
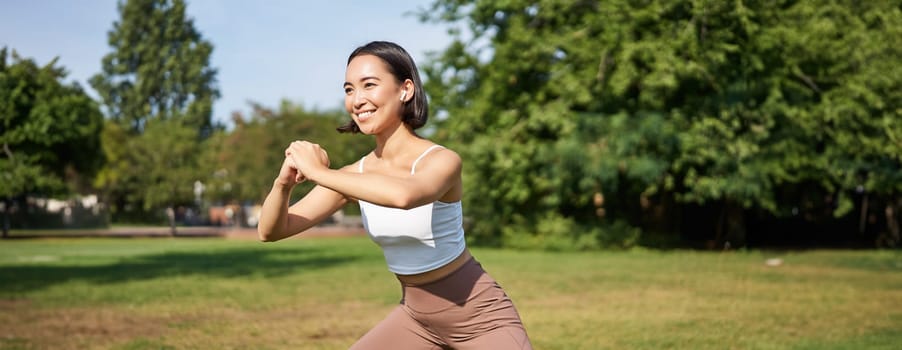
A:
{"x": 398, "y": 331}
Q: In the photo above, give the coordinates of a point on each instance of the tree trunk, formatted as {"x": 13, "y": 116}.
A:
{"x": 863, "y": 220}
{"x": 736, "y": 233}
{"x": 892, "y": 224}
{"x": 170, "y": 214}
{"x": 731, "y": 226}
{"x": 719, "y": 229}
{"x": 6, "y": 204}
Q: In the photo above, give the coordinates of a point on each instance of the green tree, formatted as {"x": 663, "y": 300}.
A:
{"x": 158, "y": 88}
{"x": 248, "y": 157}
{"x": 598, "y": 111}
{"x": 49, "y": 131}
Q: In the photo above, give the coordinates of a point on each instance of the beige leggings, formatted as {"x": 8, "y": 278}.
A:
{"x": 465, "y": 310}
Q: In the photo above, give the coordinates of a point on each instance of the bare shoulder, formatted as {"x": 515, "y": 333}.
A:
{"x": 448, "y": 153}
{"x": 441, "y": 158}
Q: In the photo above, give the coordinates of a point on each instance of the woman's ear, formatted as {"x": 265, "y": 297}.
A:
{"x": 407, "y": 90}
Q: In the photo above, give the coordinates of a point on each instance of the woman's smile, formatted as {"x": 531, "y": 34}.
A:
{"x": 364, "y": 116}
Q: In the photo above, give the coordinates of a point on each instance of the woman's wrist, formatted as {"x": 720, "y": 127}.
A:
{"x": 283, "y": 185}
{"x": 316, "y": 173}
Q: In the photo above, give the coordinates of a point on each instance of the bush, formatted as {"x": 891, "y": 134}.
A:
{"x": 554, "y": 232}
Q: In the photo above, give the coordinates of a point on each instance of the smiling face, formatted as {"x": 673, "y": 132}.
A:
{"x": 373, "y": 95}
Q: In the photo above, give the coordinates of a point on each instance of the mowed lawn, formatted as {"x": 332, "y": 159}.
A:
{"x": 323, "y": 293}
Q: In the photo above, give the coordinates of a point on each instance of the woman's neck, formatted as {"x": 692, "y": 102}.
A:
{"x": 394, "y": 142}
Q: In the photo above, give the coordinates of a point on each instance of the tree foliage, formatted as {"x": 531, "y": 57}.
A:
{"x": 248, "y": 158}
{"x": 158, "y": 89}
{"x": 593, "y": 112}
{"x": 49, "y": 131}
{"x": 159, "y": 67}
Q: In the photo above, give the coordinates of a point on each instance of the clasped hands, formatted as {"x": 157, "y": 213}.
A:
{"x": 302, "y": 157}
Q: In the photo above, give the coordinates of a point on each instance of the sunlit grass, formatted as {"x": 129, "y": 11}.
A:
{"x": 324, "y": 293}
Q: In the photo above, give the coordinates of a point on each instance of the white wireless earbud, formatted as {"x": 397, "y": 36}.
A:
{"x": 403, "y": 95}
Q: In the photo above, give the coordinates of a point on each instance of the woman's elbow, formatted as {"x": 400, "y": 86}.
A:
{"x": 266, "y": 235}
{"x": 406, "y": 202}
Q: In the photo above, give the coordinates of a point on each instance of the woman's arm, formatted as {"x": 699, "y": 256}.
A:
{"x": 278, "y": 220}
{"x": 434, "y": 177}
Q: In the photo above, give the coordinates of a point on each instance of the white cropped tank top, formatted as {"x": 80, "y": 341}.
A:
{"x": 419, "y": 239}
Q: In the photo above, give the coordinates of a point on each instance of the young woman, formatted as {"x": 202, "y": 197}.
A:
{"x": 409, "y": 190}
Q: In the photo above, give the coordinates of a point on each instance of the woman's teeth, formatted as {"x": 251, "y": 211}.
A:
{"x": 365, "y": 115}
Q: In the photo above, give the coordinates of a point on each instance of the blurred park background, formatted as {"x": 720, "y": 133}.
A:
{"x": 584, "y": 125}
{"x": 643, "y": 174}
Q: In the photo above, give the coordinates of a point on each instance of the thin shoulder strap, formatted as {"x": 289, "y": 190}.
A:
{"x": 413, "y": 167}
{"x": 360, "y": 165}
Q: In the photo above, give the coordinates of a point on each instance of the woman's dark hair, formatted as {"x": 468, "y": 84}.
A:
{"x": 400, "y": 64}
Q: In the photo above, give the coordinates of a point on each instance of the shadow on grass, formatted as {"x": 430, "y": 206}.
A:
{"x": 220, "y": 263}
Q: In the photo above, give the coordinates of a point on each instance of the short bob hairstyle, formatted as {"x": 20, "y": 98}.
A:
{"x": 401, "y": 65}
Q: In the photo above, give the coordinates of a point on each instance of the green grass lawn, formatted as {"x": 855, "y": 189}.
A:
{"x": 207, "y": 293}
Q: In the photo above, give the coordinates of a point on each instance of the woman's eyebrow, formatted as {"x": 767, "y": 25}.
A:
{"x": 367, "y": 78}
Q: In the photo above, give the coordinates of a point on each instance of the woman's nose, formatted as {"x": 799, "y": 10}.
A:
{"x": 359, "y": 98}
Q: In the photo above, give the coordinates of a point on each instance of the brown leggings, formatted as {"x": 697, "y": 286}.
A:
{"x": 464, "y": 310}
